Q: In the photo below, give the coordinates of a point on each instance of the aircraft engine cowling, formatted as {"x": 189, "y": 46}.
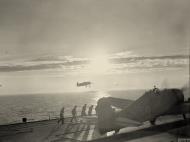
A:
{"x": 148, "y": 107}
{"x": 106, "y": 116}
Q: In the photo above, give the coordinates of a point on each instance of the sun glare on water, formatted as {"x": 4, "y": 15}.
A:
{"x": 101, "y": 94}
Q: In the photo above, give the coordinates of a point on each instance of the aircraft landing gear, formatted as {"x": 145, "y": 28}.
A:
{"x": 102, "y": 131}
{"x": 184, "y": 116}
{"x": 116, "y": 131}
{"x": 153, "y": 121}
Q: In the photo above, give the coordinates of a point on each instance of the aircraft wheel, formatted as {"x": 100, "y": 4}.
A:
{"x": 102, "y": 131}
{"x": 184, "y": 117}
{"x": 152, "y": 122}
{"x": 117, "y": 130}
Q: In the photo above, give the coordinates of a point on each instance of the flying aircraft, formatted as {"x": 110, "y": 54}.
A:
{"x": 86, "y": 84}
{"x": 115, "y": 113}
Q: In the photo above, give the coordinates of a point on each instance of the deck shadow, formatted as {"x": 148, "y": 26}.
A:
{"x": 153, "y": 130}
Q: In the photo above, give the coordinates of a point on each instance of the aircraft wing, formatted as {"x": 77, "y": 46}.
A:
{"x": 123, "y": 122}
{"x": 120, "y": 103}
{"x": 182, "y": 108}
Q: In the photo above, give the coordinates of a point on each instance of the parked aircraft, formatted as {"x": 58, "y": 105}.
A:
{"x": 116, "y": 113}
{"x": 86, "y": 84}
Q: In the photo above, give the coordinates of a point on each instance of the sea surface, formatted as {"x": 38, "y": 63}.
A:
{"x": 47, "y": 106}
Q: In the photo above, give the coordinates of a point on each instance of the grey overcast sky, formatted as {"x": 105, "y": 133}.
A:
{"x": 79, "y": 27}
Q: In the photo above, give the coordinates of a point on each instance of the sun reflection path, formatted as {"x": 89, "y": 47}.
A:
{"x": 101, "y": 94}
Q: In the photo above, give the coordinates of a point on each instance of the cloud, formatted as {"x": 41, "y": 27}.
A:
{"x": 119, "y": 63}
{"x": 43, "y": 63}
{"x": 124, "y": 54}
{"x": 139, "y": 64}
{"x": 11, "y": 68}
{"x": 153, "y": 58}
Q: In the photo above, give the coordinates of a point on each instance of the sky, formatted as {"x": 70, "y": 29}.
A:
{"x": 47, "y": 46}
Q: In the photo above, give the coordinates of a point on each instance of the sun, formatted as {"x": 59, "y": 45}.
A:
{"x": 99, "y": 64}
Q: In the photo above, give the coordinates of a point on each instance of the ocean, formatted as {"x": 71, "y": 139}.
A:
{"x": 47, "y": 106}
